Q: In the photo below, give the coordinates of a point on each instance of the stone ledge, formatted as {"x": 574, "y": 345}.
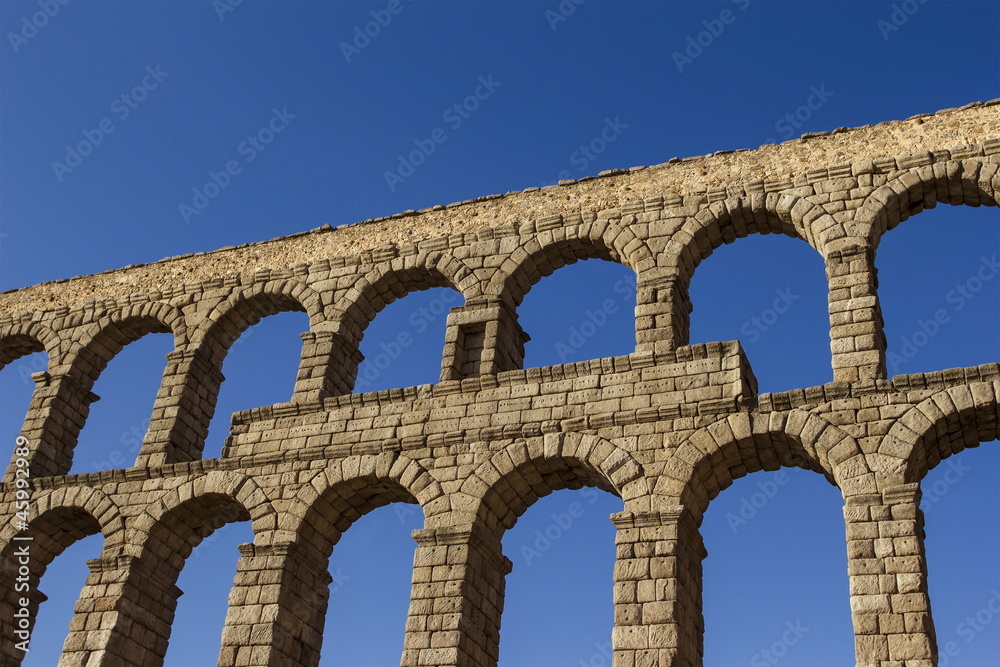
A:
{"x": 459, "y": 441}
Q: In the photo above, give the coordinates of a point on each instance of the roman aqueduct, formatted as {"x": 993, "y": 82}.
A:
{"x": 665, "y": 428}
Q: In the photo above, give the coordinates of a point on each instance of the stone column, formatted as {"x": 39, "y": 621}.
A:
{"x": 457, "y": 598}
{"x": 277, "y": 607}
{"x": 888, "y": 579}
{"x": 183, "y": 409}
{"x": 658, "y": 617}
{"x": 11, "y": 626}
{"x": 662, "y": 314}
{"x": 482, "y": 338}
{"x": 857, "y": 338}
{"x": 329, "y": 366}
{"x": 123, "y": 616}
{"x": 59, "y": 407}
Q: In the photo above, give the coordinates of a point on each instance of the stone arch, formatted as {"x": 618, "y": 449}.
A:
{"x": 64, "y": 516}
{"x": 971, "y": 182}
{"x": 187, "y": 400}
{"x": 956, "y": 182}
{"x": 186, "y": 514}
{"x": 26, "y": 338}
{"x": 60, "y": 413}
{"x": 514, "y": 478}
{"x": 346, "y": 490}
{"x": 725, "y": 221}
{"x": 281, "y": 612}
{"x": 100, "y": 342}
{"x": 388, "y": 281}
{"x": 541, "y": 254}
{"x": 500, "y": 490}
{"x": 81, "y": 501}
{"x": 719, "y": 454}
{"x": 246, "y": 306}
{"x": 157, "y": 545}
{"x": 941, "y": 425}
{"x": 19, "y": 340}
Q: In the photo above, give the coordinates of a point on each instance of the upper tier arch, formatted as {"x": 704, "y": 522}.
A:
{"x": 540, "y": 255}
{"x": 246, "y": 306}
{"x": 26, "y": 338}
{"x": 725, "y": 221}
{"x": 357, "y": 306}
{"x": 971, "y": 182}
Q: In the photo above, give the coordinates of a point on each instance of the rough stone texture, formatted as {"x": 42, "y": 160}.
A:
{"x": 693, "y": 179}
{"x": 665, "y": 428}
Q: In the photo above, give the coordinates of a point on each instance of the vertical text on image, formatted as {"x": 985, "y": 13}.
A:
{"x": 22, "y": 553}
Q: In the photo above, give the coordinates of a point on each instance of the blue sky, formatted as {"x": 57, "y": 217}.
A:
{"x": 303, "y": 130}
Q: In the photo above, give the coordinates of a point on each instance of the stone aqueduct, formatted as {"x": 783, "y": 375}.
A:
{"x": 665, "y": 428}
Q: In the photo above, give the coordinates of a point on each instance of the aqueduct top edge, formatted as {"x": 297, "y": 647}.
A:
{"x": 694, "y": 180}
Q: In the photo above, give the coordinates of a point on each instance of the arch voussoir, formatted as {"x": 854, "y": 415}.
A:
{"x": 541, "y": 254}
{"x": 964, "y": 182}
{"x": 23, "y": 338}
{"x": 503, "y": 487}
{"x": 942, "y": 425}
{"x": 715, "y": 456}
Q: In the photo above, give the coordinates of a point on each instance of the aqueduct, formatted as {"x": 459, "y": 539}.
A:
{"x": 665, "y": 428}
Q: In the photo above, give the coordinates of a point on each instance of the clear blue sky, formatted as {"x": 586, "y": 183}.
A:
{"x": 210, "y": 81}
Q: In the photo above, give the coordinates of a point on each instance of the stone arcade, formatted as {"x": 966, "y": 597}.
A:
{"x": 666, "y": 428}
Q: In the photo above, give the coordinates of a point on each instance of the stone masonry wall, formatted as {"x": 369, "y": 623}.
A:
{"x": 665, "y": 428}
